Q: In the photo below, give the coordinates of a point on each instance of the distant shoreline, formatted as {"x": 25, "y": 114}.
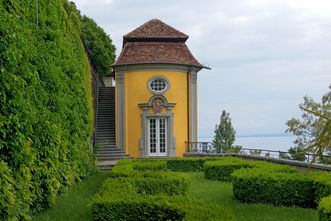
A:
{"x": 256, "y": 135}
{"x": 277, "y": 142}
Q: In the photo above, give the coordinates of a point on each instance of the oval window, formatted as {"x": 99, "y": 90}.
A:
{"x": 158, "y": 85}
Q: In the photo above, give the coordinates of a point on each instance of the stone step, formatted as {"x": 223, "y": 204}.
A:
{"x": 105, "y": 139}
{"x": 102, "y": 155}
{"x": 105, "y": 145}
{"x": 102, "y": 124}
{"x": 101, "y": 132}
{"x": 106, "y": 165}
{"x": 113, "y": 153}
{"x": 105, "y": 142}
{"x": 107, "y": 121}
{"x": 108, "y": 116}
{"x": 108, "y": 148}
{"x": 104, "y": 158}
{"x": 105, "y": 130}
{"x": 105, "y": 134}
{"x": 105, "y": 151}
{"x": 106, "y": 127}
{"x": 100, "y": 110}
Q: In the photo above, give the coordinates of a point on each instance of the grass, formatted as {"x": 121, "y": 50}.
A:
{"x": 74, "y": 205}
{"x": 221, "y": 193}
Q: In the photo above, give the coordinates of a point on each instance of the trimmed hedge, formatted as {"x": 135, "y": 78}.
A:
{"x": 119, "y": 200}
{"x": 151, "y": 181}
{"x": 143, "y": 190}
{"x": 224, "y": 167}
{"x": 150, "y": 165}
{"x": 280, "y": 188}
{"x": 188, "y": 164}
{"x": 324, "y": 209}
{"x": 170, "y": 183}
{"x": 123, "y": 168}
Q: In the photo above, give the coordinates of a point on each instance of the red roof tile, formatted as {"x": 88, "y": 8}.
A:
{"x": 156, "y": 53}
{"x": 155, "y": 43}
{"x": 155, "y": 29}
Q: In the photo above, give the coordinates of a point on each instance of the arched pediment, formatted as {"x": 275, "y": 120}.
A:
{"x": 157, "y": 102}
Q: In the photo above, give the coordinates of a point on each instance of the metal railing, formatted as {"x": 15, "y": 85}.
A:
{"x": 208, "y": 147}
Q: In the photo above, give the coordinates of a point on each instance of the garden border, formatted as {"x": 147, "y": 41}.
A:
{"x": 296, "y": 163}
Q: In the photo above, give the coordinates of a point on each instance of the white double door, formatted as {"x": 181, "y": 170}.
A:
{"x": 157, "y": 136}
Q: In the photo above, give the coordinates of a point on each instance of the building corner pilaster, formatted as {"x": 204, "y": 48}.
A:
{"x": 120, "y": 109}
{"x": 192, "y": 106}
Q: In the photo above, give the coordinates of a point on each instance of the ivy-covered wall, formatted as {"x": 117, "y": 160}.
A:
{"x": 45, "y": 105}
{"x": 100, "y": 46}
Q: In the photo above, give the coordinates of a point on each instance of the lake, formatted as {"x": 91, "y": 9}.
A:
{"x": 282, "y": 143}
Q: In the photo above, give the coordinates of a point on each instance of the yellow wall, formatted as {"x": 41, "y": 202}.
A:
{"x": 136, "y": 91}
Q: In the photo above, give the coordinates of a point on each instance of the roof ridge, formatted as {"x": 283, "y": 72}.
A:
{"x": 155, "y": 29}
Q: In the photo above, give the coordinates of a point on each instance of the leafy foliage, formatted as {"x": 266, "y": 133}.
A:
{"x": 150, "y": 195}
{"x": 7, "y": 192}
{"x": 45, "y": 105}
{"x": 155, "y": 165}
{"x": 99, "y": 44}
{"x": 285, "y": 188}
{"x": 224, "y": 133}
{"x": 188, "y": 164}
{"x": 324, "y": 209}
{"x": 170, "y": 183}
{"x": 222, "y": 169}
{"x": 313, "y": 130}
{"x": 119, "y": 200}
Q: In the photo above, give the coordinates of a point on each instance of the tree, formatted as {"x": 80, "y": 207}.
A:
{"x": 224, "y": 133}
{"x": 100, "y": 45}
{"x": 313, "y": 130}
{"x": 323, "y": 140}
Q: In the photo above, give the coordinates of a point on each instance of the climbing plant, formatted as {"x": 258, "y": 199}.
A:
{"x": 99, "y": 44}
{"x": 45, "y": 105}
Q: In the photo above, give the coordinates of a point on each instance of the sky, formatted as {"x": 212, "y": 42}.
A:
{"x": 265, "y": 55}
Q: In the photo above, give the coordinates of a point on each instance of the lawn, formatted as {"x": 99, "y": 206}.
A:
{"x": 221, "y": 193}
{"x": 74, "y": 205}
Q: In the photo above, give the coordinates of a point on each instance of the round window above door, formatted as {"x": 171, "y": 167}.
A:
{"x": 158, "y": 85}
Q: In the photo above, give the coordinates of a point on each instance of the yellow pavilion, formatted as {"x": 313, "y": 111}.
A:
{"x": 155, "y": 92}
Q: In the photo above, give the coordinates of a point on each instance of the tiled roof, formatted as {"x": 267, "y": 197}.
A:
{"x": 155, "y": 29}
{"x": 155, "y": 43}
{"x": 156, "y": 53}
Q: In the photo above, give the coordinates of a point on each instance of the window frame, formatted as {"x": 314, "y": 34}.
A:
{"x": 154, "y": 78}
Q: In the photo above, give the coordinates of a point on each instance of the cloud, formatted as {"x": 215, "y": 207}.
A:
{"x": 265, "y": 55}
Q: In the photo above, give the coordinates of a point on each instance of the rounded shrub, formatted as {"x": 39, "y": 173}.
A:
{"x": 324, "y": 209}
{"x": 223, "y": 168}
{"x": 280, "y": 188}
